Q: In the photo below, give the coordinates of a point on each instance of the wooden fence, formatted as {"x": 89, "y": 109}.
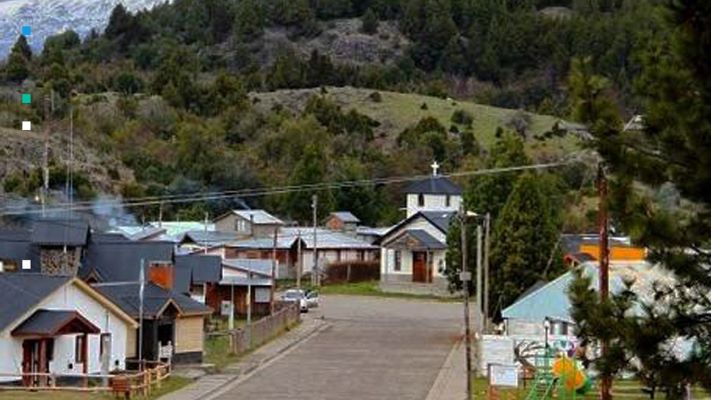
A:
{"x": 261, "y": 331}
{"x": 125, "y": 383}
{"x": 352, "y": 271}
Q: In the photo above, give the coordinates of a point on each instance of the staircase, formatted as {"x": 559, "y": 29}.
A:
{"x": 544, "y": 383}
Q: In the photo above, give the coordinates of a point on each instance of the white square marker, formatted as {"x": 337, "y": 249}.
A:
{"x": 26, "y": 125}
{"x": 26, "y": 264}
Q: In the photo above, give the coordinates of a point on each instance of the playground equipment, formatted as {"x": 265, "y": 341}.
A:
{"x": 560, "y": 377}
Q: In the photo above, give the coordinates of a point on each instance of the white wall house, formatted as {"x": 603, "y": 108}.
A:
{"x": 52, "y": 317}
{"x": 414, "y": 250}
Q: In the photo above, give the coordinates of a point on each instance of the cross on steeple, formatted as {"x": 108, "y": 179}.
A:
{"x": 435, "y": 168}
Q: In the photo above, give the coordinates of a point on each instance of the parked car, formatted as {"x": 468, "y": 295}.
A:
{"x": 296, "y": 296}
{"x": 312, "y": 299}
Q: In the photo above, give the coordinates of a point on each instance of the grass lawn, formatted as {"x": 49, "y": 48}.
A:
{"x": 371, "y": 288}
{"x": 397, "y": 111}
{"x": 169, "y": 385}
{"x": 217, "y": 352}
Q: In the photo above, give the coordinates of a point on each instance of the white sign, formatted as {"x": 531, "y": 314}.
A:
{"x": 26, "y": 264}
{"x": 225, "y": 308}
{"x": 465, "y": 276}
{"x": 166, "y": 351}
{"x": 503, "y": 375}
{"x": 261, "y": 295}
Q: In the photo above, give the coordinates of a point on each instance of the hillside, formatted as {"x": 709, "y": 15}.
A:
{"x": 21, "y": 155}
{"x": 397, "y": 111}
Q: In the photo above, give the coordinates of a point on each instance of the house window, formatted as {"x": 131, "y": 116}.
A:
{"x": 8, "y": 266}
{"x": 79, "y": 349}
{"x": 421, "y": 200}
{"x": 398, "y": 260}
{"x": 448, "y": 201}
{"x": 241, "y": 225}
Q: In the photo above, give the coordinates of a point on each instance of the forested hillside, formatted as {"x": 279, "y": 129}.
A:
{"x": 190, "y": 95}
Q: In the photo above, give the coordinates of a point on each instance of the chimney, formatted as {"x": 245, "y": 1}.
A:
{"x": 162, "y": 274}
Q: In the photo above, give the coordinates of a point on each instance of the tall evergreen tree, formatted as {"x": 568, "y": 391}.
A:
{"x": 312, "y": 168}
{"x": 671, "y": 149}
{"x": 17, "y": 68}
{"x": 524, "y": 237}
{"x": 249, "y": 20}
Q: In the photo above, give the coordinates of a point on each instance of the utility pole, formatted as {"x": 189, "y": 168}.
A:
{"x": 466, "y": 277}
{"x": 315, "y": 274}
{"x": 300, "y": 263}
{"x": 479, "y": 273}
{"x": 487, "y": 243}
{"x": 604, "y": 269}
{"x": 205, "y": 231}
{"x": 141, "y": 289}
{"x": 45, "y": 158}
{"x": 274, "y": 267}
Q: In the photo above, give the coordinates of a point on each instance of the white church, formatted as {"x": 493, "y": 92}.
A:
{"x": 413, "y": 251}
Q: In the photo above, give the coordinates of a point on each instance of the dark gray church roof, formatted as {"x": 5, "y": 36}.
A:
{"x": 20, "y": 292}
{"x": 49, "y": 322}
{"x": 434, "y": 185}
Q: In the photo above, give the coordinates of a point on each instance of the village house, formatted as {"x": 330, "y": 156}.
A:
{"x": 342, "y": 221}
{"x": 413, "y": 251}
{"x": 248, "y": 223}
{"x": 173, "y": 323}
{"x": 59, "y": 324}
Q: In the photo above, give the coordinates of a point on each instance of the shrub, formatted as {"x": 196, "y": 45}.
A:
{"x": 369, "y": 22}
{"x": 462, "y": 117}
{"x": 376, "y": 97}
{"x": 424, "y": 106}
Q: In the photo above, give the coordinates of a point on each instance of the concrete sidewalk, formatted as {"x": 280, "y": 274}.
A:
{"x": 451, "y": 382}
{"x": 209, "y": 384}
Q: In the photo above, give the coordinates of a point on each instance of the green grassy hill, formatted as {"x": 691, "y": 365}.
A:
{"x": 397, "y": 111}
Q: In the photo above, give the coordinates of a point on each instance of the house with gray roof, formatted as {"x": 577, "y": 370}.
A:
{"x": 248, "y": 223}
{"x": 342, "y": 221}
{"x": 412, "y": 252}
{"x": 172, "y": 321}
{"x": 61, "y": 325}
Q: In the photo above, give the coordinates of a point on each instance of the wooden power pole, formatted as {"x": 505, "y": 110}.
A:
{"x": 466, "y": 276}
{"x": 274, "y": 269}
{"x": 604, "y": 268}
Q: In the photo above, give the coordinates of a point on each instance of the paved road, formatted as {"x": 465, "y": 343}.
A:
{"x": 377, "y": 349}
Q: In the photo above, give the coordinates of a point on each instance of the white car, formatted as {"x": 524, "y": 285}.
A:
{"x": 296, "y": 296}
{"x": 312, "y": 299}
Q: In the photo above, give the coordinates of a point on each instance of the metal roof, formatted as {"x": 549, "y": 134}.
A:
{"x": 208, "y": 238}
{"x": 261, "y": 267}
{"x": 240, "y": 281}
{"x": 259, "y": 217}
{"x": 439, "y": 219}
{"x": 155, "y": 299}
{"x": 16, "y": 246}
{"x": 203, "y": 268}
{"x": 426, "y": 241}
{"x": 51, "y": 322}
{"x": 551, "y": 300}
{"x": 20, "y": 292}
{"x": 118, "y": 261}
{"x": 327, "y": 239}
{"x": 59, "y": 232}
{"x": 345, "y": 216}
{"x": 434, "y": 184}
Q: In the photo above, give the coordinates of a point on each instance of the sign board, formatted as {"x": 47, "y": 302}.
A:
{"x": 261, "y": 295}
{"x": 165, "y": 351}
{"x": 225, "y": 308}
{"x": 465, "y": 276}
{"x": 503, "y": 375}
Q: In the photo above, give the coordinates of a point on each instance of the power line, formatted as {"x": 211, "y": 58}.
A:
{"x": 253, "y": 192}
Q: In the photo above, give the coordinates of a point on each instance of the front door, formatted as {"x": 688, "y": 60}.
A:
{"x": 35, "y": 359}
{"x": 419, "y": 267}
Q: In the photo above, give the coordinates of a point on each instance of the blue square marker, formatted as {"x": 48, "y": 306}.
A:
{"x": 26, "y": 98}
{"x": 26, "y": 30}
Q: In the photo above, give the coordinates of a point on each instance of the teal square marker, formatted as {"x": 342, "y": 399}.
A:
{"x": 26, "y": 98}
{"x": 26, "y": 30}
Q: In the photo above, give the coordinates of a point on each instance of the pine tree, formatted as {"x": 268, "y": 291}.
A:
{"x": 525, "y": 235}
{"x": 249, "y": 21}
{"x": 671, "y": 149}
{"x": 18, "y": 63}
{"x": 312, "y": 168}
{"x": 369, "y": 22}
{"x": 488, "y": 193}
